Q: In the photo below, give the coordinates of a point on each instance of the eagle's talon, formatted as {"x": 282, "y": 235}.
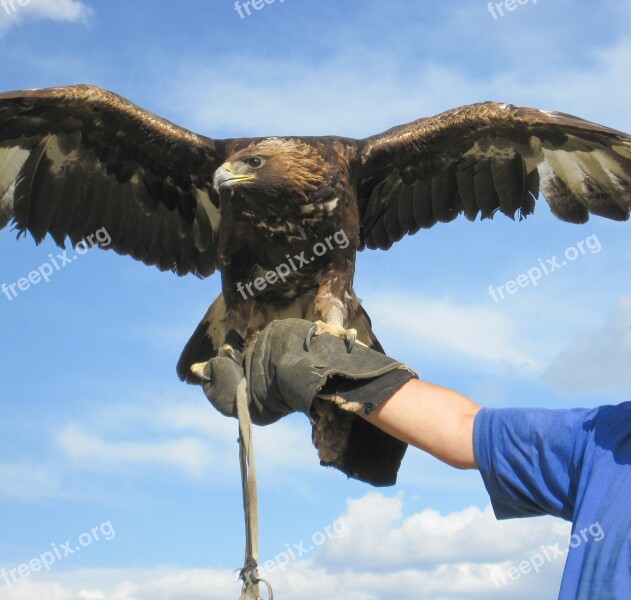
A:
{"x": 352, "y": 338}
{"x": 199, "y": 371}
{"x": 310, "y": 334}
{"x": 227, "y": 351}
{"x": 319, "y": 328}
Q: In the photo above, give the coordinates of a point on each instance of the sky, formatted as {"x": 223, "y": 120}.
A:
{"x": 101, "y": 445}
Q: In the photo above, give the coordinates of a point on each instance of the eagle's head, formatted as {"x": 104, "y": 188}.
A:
{"x": 280, "y": 168}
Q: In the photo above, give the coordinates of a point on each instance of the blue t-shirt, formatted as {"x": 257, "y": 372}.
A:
{"x": 574, "y": 464}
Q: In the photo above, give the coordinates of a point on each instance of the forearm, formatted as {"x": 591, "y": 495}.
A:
{"x": 432, "y": 418}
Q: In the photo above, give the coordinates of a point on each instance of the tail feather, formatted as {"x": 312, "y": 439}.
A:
{"x": 204, "y": 342}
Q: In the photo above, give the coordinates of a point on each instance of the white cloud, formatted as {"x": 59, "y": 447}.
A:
{"x": 304, "y": 581}
{"x": 191, "y": 438}
{"x": 70, "y": 11}
{"x": 59, "y": 10}
{"x": 430, "y": 539}
{"x": 360, "y": 91}
{"x": 474, "y": 332}
{"x": 426, "y": 556}
{"x": 579, "y": 89}
{"x": 81, "y": 446}
{"x": 283, "y": 445}
{"x": 489, "y": 339}
{"x": 599, "y": 359}
{"x": 28, "y": 481}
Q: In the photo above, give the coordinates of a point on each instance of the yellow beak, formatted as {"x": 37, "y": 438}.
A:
{"x": 224, "y": 177}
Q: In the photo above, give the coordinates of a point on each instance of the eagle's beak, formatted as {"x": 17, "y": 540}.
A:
{"x": 224, "y": 177}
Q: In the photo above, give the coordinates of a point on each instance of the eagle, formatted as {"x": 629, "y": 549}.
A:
{"x": 282, "y": 218}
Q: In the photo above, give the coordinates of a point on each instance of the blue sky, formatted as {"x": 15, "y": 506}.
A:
{"x": 96, "y": 428}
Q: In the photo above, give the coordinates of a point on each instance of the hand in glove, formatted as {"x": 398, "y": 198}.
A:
{"x": 326, "y": 383}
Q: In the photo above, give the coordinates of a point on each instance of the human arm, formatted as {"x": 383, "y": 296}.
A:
{"x": 432, "y": 418}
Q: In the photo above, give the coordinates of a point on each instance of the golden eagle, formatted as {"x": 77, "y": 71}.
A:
{"x": 77, "y": 159}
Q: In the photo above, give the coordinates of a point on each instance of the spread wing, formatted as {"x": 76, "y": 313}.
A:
{"x": 487, "y": 157}
{"x": 74, "y": 160}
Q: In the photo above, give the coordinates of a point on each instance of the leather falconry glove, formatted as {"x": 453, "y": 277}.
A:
{"x": 326, "y": 383}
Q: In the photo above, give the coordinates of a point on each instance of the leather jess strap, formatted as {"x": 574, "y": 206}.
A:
{"x": 249, "y": 573}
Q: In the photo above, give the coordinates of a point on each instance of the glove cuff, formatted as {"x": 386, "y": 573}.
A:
{"x": 366, "y": 395}
{"x": 350, "y": 443}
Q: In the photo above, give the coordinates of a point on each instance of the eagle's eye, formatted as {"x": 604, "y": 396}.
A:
{"x": 255, "y": 162}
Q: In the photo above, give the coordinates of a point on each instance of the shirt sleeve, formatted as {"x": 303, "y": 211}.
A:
{"x": 530, "y": 459}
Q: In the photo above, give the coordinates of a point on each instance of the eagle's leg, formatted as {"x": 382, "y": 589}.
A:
{"x": 320, "y": 327}
{"x": 335, "y": 314}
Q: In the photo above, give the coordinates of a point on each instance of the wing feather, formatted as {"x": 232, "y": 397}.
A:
{"x": 423, "y": 211}
{"x": 446, "y": 201}
{"x": 484, "y": 187}
{"x": 67, "y": 200}
{"x": 406, "y": 207}
{"x": 465, "y": 177}
{"x": 485, "y": 158}
{"x": 77, "y": 159}
{"x": 509, "y": 178}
